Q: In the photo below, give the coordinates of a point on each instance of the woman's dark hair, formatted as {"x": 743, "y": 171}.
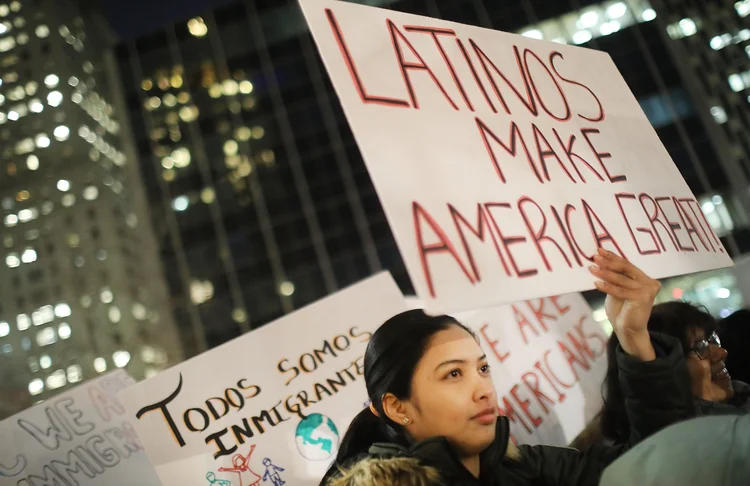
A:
{"x": 390, "y": 360}
{"x": 735, "y": 338}
{"x": 675, "y": 319}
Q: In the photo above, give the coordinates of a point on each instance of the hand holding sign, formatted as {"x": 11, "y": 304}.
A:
{"x": 630, "y": 297}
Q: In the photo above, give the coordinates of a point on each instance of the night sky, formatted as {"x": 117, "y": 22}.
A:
{"x": 133, "y": 18}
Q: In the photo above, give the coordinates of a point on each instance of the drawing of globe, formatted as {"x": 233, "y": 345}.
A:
{"x": 317, "y": 438}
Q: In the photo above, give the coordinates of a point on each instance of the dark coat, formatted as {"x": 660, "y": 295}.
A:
{"x": 739, "y": 403}
{"x": 649, "y": 412}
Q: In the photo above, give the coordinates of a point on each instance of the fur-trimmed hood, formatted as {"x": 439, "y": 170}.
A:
{"x": 388, "y": 471}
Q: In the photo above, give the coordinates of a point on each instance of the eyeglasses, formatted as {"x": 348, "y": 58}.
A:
{"x": 702, "y": 348}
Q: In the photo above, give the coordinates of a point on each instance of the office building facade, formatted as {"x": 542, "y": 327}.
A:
{"x": 81, "y": 288}
{"x": 261, "y": 192}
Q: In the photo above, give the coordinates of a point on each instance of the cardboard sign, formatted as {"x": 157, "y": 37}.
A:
{"x": 79, "y": 438}
{"x": 270, "y": 406}
{"x": 503, "y": 162}
{"x": 548, "y": 361}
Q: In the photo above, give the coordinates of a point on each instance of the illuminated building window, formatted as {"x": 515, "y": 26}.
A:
{"x": 246, "y": 87}
{"x": 90, "y": 193}
{"x": 43, "y": 315}
{"x": 12, "y": 260}
{"x": 197, "y": 27}
{"x": 19, "y": 22}
{"x": 75, "y": 373}
{"x": 739, "y": 82}
{"x": 22, "y": 39}
{"x": 36, "y": 105}
{"x": 45, "y": 361}
{"x": 54, "y": 98}
{"x": 68, "y": 200}
{"x": 181, "y": 157}
{"x": 208, "y": 195}
{"x": 100, "y": 365}
{"x": 121, "y": 358}
{"x": 62, "y": 310}
{"x": 743, "y": 8}
{"x": 188, "y": 113}
{"x": 17, "y": 93}
{"x": 106, "y": 296}
{"x": 36, "y": 387}
{"x": 61, "y": 133}
{"x": 56, "y": 380}
{"x": 114, "y": 314}
{"x": 23, "y": 322}
{"x": 63, "y": 330}
{"x": 46, "y": 336}
{"x": 25, "y": 146}
{"x": 42, "y": 31}
{"x": 11, "y": 220}
{"x": 139, "y": 311}
{"x": 28, "y": 256}
{"x": 719, "y": 114}
{"x": 684, "y": 28}
{"x": 170, "y": 100}
{"x": 63, "y": 185}
{"x": 180, "y": 203}
{"x": 231, "y": 147}
{"x": 239, "y": 315}
{"x": 15, "y": 6}
{"x": 286, "y": 288}
{"x": 4, "y": 328}
{"x": 7, "y": 44}
{"x": 4, "y": 10}
{"x": 147, "y": 85}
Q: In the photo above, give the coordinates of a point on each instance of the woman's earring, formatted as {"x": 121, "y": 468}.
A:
{"x": 406, "y": 420}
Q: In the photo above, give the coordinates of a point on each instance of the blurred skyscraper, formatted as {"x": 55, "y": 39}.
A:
{"x": 258, "y": 187}
{"x": 81, "y": 290}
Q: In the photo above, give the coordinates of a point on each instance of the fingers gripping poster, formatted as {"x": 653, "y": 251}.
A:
{"x": 269, "y": 407}
{"x": 548, "y": 360}
{"x": 503, "y": 162}
{"x": 79, "y": 438}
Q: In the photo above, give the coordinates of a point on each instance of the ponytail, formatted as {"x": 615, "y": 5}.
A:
{"x": 365, "y": 430}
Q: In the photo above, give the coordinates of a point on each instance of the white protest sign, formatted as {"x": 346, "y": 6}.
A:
{"x": 548, "y": 359}
{"x": 79, "y": 438}
{"x": 503, "y": 162}
{"x": 271, "y": 405}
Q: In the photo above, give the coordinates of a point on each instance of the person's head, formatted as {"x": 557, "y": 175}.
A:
{"x": 696, "y": 329}
{"x": 397, "y": 471}
{"x": 426, "y": 376}
{"x": 266, "y": 462}
{"x": 735, "y": 337}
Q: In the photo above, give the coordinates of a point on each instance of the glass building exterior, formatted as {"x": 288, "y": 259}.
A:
{"x": 81, "y": 288}
{"x": 260, "y": 195}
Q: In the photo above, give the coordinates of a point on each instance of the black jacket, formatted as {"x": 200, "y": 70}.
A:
{"x": 648, "y": 411}
{"x": 739, "y": 403}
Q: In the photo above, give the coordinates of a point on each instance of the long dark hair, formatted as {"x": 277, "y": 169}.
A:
{"x": 390, "y": 360}
{"x": 675, "y": 319}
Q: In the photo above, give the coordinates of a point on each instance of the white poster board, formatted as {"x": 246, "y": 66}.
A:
{"x": 548, "y": 359}
{"x": 503, "y": 162}
{"x": 271, "y": 405}
{"x": 79, "y": 438}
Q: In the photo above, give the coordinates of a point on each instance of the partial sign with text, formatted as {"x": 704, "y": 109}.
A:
{"x": 271, "y": 405}
{"x": 503, "y": 162}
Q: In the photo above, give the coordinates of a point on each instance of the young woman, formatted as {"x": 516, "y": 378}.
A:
{"x": 713, "y": 390}
{"x": 433, "y": 399}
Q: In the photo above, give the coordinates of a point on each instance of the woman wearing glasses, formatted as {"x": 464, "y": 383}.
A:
{"x": 712, "y": 388}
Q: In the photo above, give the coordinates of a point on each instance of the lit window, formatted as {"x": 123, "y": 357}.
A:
{"x": 230, "y": 147}
{"x": 743, "y": 8}
{"x": 28, "y": 256}
{"x": 19, "y": 22}
{"x": 13, "y": 115}
{"x": 45, "y": 361}
{"x": 208, "y": 195}
{"x": 36, "y": 387}
{"x": 139, "y": 311}
{"x": 12, "y": 260}
{"x": 531, "y": 34}
{"x": 23, "y": 322}
{"x": 188, "y": 113}
{"x": 36, "y": 105}
{"x": 229, "y": 87}
{"x": 63, "y": 185}
{"x": 197, "y": 27}
{"x": 42, "y": 140}
{"x": 29, "y": 214}
{"x": 43, "y": 315}
{"x": 121, "y": 358}
{"x": 63, "y": 330}
{"x": 170, "y": 100}
{"x": 582, "y": 37}
{"x": 181, "y": 157}
{"x": 68, "y": 200}
{"x": 286, "y": 288}
{"x": 22, "y": 39}
{"x": 588, "y": 20}
{"x": 180, "y": 203}
{"x": 16, "y": 94}
{"x": 90, "y": 193}
{"x": 75, "y": 374}
{"x": 154, "y": 102}
{"x": 61, "y": 133}
{"x": 246, "y": 87}
{"x": 4, "y": 328}
{"x": 7, "y": 44}
{"x": 4, "y": 10}
{"x": 617, "y": 10}
{"x": 42, "y": 31}
{"x": 147, "y": 85}
{"x": 239, "y": 315}
{"x": 51, "y": 80}
{"x": 720, "y": 116}
{"x": 56, "y": 380}
{"x": 106, "y": 296}
{"x": 32, "y": 162}
{"x": 25, "y": 146}
{"x": 88, "y": 67}
{"x": 76, "y": 98}
{"x": 688, "y": 27}
{"x": 46, "y": 336}
{"x": 47, "y": 207}
{"x": 15, "y": 6}
{"x": 100, "y": 365}
{"x": 11, "y": 220}
{"x": 114, "y": 314}
{"x": 62, "y": 310}
{"x": 214, "y": 91}
{"x": 609, "y": 27}
{"x": 54, "y": 98}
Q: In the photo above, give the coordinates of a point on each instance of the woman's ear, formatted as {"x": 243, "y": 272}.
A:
{"x": 395, "y": 409}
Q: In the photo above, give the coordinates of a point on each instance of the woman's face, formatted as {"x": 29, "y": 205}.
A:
{"x": 709, "y": 377}
{"x": 452, "y": 394}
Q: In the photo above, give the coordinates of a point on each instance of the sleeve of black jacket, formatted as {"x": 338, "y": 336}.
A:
{"x": 657, "y": 394}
